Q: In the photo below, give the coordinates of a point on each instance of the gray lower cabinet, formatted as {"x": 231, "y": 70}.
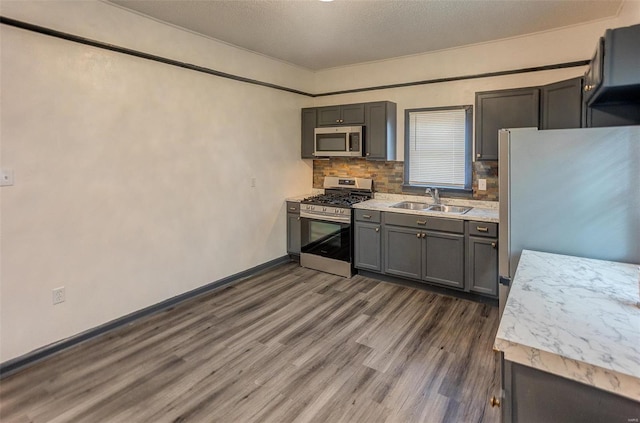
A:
{"x": 429, "y": 256}
{"x": 368, "y": 246}
{"x": 482, "y": 265}
{"x": 443, "y": 259}
{"x": 532, "y": 396}
{"x": 482, "y": 257}
{"x": 402, "y": 252}
{"x": 293, "y": 228}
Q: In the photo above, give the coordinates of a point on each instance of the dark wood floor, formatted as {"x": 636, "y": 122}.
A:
{"x": 289, "y": 345}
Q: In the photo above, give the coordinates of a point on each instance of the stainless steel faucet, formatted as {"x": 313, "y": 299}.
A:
{"x": 435, "y": 194}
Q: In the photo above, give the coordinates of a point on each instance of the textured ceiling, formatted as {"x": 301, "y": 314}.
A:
{"x": 319, "y": 35}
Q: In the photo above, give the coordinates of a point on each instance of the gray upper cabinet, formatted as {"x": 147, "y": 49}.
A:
{"x": 348, "y": 114}
{"x": 308, "y": 126}
{"x": 561, "y": 104}
{"x": 380, "y": 132}
{"x": 611, "y": 93}
{"x": 378, "y": 118}
{"x": 613, "y": 76}
{"x": 518, "y": 108}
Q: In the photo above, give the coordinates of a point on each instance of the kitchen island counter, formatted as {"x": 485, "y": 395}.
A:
{"x": 576, "y": 318}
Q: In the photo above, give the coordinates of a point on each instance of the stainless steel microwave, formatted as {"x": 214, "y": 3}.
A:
{"x": 338, "y": 141}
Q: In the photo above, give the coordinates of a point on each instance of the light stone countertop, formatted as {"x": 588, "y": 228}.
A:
{"x": 482, "y": 211}
{"x": 576, "y": 318}
{"x": 298, "y": 198}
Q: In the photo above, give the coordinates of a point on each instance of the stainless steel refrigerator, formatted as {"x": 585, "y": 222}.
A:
{"x": 568, "y": 191}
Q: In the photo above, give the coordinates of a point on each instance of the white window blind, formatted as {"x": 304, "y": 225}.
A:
{"x": 437, "y": 143}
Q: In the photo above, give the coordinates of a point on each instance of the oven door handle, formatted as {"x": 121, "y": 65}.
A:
{"x": 335, "y": 219}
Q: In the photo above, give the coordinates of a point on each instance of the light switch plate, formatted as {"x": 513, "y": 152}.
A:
{"x": 6, "y": 177}
{"x": 482, "y": 184}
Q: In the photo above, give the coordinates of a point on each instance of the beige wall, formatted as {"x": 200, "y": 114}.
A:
{"x": 132, "y": 178}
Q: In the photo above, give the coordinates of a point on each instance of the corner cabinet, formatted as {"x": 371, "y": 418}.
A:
{"x": 293, "y": 228}
{"x": 561, "y": 104}
{"x": 378, "y": 119}
{"x": 518, "y": 108}
{"x": 368, "y": 240}
{"x": 380, "y": 132}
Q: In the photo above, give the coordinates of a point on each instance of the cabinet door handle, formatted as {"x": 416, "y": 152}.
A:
{"x": 421, "y": 222}
{"x": 418, "y": 235}
{"x": 298, "y": 217}
{"x": 366, "y": 216}
{"x": 493, "y": 245}
{"x": 377, "y": 229}
{"x": 424, "y": 235}
{"x": 495, "y": 402}
{"x": 482, "y": 229}
{"x": 478, "y": 155}
{"x": 292, "y": 208}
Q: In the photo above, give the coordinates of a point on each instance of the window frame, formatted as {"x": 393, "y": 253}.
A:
{"x": 468, "y": 177}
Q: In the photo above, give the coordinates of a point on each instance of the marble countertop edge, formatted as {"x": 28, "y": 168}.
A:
{"x": 606, "y": 379}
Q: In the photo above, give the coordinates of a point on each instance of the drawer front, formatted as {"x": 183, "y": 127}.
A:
{"x": 424, "y": 222}
{"x": 368, "y": 216}
{"x": 483, "y": 229}
{"x": 293, "y": 207}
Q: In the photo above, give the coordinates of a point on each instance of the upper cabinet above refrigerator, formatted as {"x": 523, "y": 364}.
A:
{"x": 495, "y": 110}
{"x": 612, "y": 82}
{"x": 614, "y": 72}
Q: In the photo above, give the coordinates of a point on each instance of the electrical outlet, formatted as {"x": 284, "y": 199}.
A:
{"x": 482, "y": 184}
{"x": 6, "y": 177}
{"x": 58, "y": 295}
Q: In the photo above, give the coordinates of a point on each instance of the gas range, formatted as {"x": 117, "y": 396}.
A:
{"x": 340, "y": 194}
{"x": 326, "y": 225}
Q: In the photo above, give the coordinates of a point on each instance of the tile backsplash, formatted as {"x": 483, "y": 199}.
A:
{"x": 388, "y": 176}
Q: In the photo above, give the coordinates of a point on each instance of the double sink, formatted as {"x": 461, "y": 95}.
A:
{"x": 413, "y": 205}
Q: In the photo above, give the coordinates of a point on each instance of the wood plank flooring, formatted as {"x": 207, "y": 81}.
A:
{"x": 289, "y": 345}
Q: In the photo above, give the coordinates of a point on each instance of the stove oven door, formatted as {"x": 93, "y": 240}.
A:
{"x": 326, "y": 238}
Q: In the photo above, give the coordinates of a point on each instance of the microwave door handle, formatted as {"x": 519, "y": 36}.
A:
{"x": 350, "y": 146}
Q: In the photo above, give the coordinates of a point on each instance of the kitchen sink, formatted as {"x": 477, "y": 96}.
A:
{"x": 449, "y": 209}
{"x": 410, "y": 205}
{"x": 414, "y": 205}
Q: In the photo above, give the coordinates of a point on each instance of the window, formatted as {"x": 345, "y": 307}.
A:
{"x": 438, "y": 147}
